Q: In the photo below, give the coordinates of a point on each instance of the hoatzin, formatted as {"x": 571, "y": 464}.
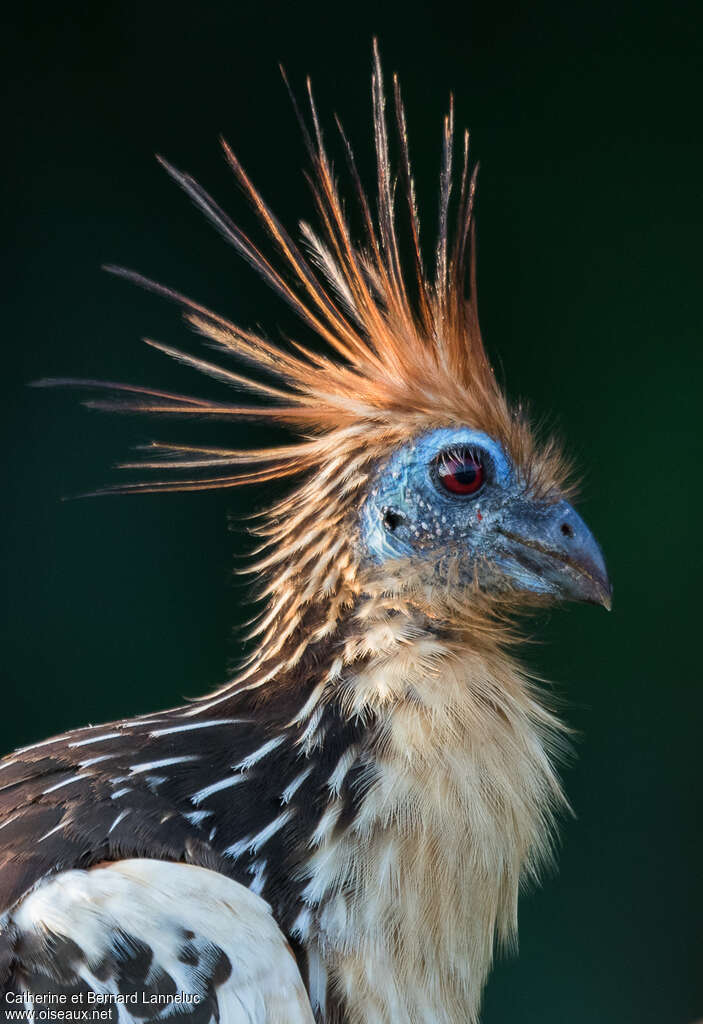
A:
{"x": 340, "y": 832}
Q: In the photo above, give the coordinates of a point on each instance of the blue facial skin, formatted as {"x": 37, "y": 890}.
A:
{"x": 500, "y": 536}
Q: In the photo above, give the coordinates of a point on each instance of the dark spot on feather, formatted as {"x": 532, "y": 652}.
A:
{"x": 222, "y": 967}
{"x": 102, "y": 969}
{"x": 46, "y": 963}
{"x": 205, "y": 1012}
{"x": 59, "y": 956}
{"x": 188, "y": 954}
{"x": 133, "y": 960}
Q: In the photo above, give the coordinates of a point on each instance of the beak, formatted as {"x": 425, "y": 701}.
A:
{"x": 553, "y": 543}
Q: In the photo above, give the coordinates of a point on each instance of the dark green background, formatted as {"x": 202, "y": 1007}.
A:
{"x": 586, "y": 118}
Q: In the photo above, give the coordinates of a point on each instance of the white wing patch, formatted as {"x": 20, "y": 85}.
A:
{"x": 181, "y": 938}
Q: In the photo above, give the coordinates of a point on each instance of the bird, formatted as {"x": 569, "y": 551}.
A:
{"x": 340, "y": 832}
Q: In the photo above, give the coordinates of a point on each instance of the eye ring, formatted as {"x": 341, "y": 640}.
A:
{"x": 459, "y": 471}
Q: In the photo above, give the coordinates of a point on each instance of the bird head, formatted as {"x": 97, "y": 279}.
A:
{"x": 417, "y": 472}
{"x": 460, "y": 508}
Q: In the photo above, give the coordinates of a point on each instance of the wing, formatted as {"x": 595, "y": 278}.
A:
{"x": 151, "y": 941}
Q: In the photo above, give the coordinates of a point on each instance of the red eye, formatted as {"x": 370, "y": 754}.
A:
{"x": 460, "y": 471}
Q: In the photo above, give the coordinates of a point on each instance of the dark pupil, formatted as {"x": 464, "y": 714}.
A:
{"x": 464, "y": 472}
{"x": 460, "y": 472}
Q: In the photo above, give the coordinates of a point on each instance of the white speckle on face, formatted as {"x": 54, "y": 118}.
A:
{"x": 407, "y": 483}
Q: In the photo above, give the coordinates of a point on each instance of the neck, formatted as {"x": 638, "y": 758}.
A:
{"x": 440, "y": 799}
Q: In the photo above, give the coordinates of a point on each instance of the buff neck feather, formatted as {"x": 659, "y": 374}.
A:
{"x": 461, "y": 811}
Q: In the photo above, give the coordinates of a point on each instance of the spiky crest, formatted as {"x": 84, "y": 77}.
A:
{"x": 404, "y": 356}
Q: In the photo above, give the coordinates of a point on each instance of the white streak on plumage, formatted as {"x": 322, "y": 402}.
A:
{"x": 120, "y": 817}
{"x": 52, "y": 831}
{"x": 259, "y": 753}
{"x": 164, "y": 762}
{"x": 197, "y": 817}
{"x": 215, "y": 787}
{"x": 293, "y": 787}
{"x": 195, "y": 725}
{"x": 254, "y": 843}
{"x": 95, "y": 760}
{"x": 334, "y": 783}
{"x": 66, "y": 782}
{"x": 96, "y": 739}
{"x": 258, "y": 871}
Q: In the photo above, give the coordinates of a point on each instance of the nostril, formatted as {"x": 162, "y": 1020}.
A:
{"x": 567, "y": 530}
